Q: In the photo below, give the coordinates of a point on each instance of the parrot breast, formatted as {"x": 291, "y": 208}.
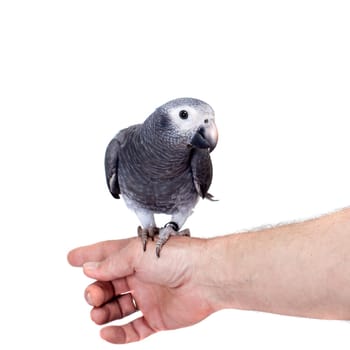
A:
{"x": 155, "y": 175}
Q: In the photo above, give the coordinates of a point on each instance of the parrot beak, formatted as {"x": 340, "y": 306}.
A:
{"x": 206, "y": 137}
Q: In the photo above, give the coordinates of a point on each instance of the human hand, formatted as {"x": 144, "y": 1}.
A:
{"x": 167, "y": 291}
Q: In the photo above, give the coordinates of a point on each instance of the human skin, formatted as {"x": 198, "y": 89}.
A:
{"x": 300, "y": 269}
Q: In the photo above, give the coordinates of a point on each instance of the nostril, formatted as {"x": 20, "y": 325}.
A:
{"x": 206, "y": 121}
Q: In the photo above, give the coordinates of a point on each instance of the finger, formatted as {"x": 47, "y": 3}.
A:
{"x": 131, "y": 332}
{"x": 116, "y": 265}
{"x": 95, "y": 252}
{"x": 116, "y": 309}
{"x": 99, "y": 292}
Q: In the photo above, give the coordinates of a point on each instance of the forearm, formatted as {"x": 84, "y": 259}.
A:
{"x": 300, "y": 269}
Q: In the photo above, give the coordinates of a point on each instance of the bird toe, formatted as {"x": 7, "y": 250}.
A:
{"x": 145, "y": 233}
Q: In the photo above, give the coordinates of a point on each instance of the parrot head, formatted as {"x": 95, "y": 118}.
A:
{"x": 191, "y": 120}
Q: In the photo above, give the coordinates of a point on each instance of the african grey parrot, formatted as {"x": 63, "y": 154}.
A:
{"x": 163, "y": 165}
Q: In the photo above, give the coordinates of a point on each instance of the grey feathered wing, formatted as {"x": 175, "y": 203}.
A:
{"x": 111, "y": 166}
{"x": 112, "y": 157}
{"x": 202, "y": 171}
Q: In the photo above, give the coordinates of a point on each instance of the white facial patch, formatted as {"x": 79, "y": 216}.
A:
{"x": 196, "y": 118}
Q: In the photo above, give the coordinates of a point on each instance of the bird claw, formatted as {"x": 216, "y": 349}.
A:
{"x": 164, "y": 235}
{"x": 146, "y": 233}
{"x": 186, "y": 233}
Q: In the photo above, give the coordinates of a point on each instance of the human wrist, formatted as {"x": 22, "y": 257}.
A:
{"x": 215, "y": 273}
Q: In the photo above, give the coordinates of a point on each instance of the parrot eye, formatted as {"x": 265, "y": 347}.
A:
{"x": 183, "y": 114}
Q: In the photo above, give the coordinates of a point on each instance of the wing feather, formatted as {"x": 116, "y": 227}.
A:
{"x": 202, "y": 171}
{"x": 111, "y": 165}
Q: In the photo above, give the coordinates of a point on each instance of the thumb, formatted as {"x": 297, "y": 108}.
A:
{"x": 117, "y": 265}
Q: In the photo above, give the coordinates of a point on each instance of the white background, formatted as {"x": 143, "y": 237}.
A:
{"x": 72, "y": 73}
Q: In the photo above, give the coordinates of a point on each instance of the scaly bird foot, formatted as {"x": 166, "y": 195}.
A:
{"x": 146, "y": 233}
{"x": 166, "y": 232}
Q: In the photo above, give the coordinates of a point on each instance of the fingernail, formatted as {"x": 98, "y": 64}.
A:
{"x": 91, "y": 265}
{"x": 88, "y": 298}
